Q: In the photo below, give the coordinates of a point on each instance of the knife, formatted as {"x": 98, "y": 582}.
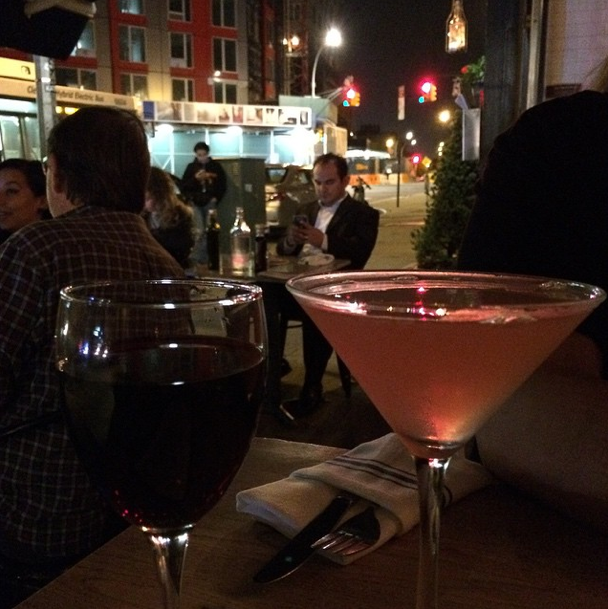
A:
{"x": 299, "y": 549}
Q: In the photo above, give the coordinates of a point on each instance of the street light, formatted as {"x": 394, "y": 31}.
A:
{"x": 333, "y": 38}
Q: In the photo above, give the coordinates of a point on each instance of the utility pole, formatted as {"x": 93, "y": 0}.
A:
{"x": 45, "y": 98}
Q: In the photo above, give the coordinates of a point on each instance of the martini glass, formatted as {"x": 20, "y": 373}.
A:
{"x": 162, "y": 383}
{"x": 438, "y": 353}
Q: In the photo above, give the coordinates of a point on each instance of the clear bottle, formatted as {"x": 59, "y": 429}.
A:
{"x": 261, "y": 248}
{"x": 456, "y": 29}
{"x": 240, "y": 244}
{"x": 213, "y": 241}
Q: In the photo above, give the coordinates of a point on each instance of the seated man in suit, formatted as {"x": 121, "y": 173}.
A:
{"x": 337, "y": 225}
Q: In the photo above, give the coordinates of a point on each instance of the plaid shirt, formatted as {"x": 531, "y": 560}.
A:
{"x": 48, "y": 509}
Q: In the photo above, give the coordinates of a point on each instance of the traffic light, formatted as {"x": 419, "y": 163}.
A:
{"x": 351, "y": 96}
{"x": 428, "y": 92}
{"x": 415, "y": 158}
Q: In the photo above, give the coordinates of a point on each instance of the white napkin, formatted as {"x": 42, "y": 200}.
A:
{"x": 381, "y": 472}
{"x": 316, "y": 259}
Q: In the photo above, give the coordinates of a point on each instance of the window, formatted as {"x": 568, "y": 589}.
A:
{"x": 85, "y": 47}
{"x": 181, "y": 50}
{"x": 224, "y": 93}
{"x": 224, "y": 55}
{"x": 179, "y": 10}
{"x": 182, "y": 89}
{"x": 133, "y": 7}
{"x": 73, "y": 77}
{"x": 134, "y": 84}
{"x": 223, "y": 13}
{"x": 132, "y": 41}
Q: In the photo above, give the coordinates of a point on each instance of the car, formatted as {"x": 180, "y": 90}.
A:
{"x": 287, "y": 187}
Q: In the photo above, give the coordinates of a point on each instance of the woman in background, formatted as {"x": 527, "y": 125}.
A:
{"x": 169, "y": 219}
{"x": 22, "y": 195}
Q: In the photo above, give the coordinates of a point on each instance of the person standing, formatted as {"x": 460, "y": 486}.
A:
{"x": 204, "y": 185}
{"x": 22, "y": 195}
{"x": 359, "y": 190}
{"x": 96, "y": 176}
{"x": 338, "y": 225}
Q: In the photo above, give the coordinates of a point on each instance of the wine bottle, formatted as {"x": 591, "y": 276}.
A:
{"x": 240, "y": 244}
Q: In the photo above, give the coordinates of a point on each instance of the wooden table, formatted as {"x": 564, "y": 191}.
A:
{"x": 499, "y": 550}
{"x": 272, "y": 281}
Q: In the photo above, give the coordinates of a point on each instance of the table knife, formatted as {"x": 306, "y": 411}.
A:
{"x": 299, "y": 549}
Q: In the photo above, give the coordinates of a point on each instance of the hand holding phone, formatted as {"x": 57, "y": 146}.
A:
{"x": 300, "y": 220}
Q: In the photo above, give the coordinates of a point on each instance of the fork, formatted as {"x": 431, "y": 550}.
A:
{"x": 356, "y": 534}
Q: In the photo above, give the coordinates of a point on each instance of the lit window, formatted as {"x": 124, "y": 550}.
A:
{"x": 132, "y": 41}
{"x": 85, "y": 47}
{"x": 133, "y": 7}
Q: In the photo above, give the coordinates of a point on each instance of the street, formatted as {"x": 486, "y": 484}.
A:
{"x": 394, "y": 245}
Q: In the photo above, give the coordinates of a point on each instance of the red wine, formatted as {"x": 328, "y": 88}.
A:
{"x": 163, "y": 428}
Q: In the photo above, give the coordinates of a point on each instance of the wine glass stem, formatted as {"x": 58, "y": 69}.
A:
{"x": 430, "y": 474}
{"x": 170, "y": 553}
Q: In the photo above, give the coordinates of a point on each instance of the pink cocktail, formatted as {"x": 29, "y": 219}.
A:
{"x": 438, "y": 353}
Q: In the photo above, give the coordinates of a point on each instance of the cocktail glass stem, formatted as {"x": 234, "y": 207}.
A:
{"x": 170, "y": 554}
{"x": 430, "y": 474}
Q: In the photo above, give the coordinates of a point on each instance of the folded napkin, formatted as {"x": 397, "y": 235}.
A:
{"x": 381, "y": 472}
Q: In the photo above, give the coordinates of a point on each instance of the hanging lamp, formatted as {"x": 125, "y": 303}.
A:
{"x": 456, "y": 29}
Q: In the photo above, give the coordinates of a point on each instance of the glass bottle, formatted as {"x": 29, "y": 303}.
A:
{"x": 213, "y": 241}
{"x": 261, "y": 248}
{"x": 240, "y": 244}
{"x": 456, "y": 29}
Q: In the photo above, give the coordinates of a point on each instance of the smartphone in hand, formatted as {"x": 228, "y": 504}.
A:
{"x": 300, "y": 220}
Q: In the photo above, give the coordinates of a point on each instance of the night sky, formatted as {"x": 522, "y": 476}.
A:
{"x": 387, "y": 43}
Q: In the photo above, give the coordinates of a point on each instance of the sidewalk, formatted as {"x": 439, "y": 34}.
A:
{"x": 342, "y": 421}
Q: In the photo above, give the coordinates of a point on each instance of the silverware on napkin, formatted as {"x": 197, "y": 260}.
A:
{"x": 299, "y": 549}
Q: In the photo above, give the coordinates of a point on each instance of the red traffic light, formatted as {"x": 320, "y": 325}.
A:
{"x": 428, "y": 91}
{"x": 351, "y": 97}
{"x": 415, "y": 158}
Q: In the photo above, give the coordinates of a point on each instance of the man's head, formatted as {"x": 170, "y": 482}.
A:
{"x": 98, "y": 156}
{"x": 330, "y": 176}
{"x": 201, "y": 151}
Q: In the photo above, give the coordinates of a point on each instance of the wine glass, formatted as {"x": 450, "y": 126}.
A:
{"x": 437, "y": 353}
{"x": 162, "y": 385}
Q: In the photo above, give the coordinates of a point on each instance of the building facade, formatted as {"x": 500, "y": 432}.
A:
{"x": 201, "y": 69}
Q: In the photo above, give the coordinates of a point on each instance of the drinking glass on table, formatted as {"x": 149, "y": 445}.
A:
{"x": 437, "y": 353}
{"x": 162, "y": 384}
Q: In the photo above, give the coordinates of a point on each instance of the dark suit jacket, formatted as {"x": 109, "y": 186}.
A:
{"x": 351, "y": 233}
{"x": 542, "y": 201}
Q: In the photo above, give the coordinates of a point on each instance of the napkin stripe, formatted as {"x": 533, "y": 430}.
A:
{"x": 378, "y": 469}
{"x": 386, "y": 472}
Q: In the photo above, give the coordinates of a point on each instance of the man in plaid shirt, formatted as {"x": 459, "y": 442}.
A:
{"x": 97, "y": 171}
